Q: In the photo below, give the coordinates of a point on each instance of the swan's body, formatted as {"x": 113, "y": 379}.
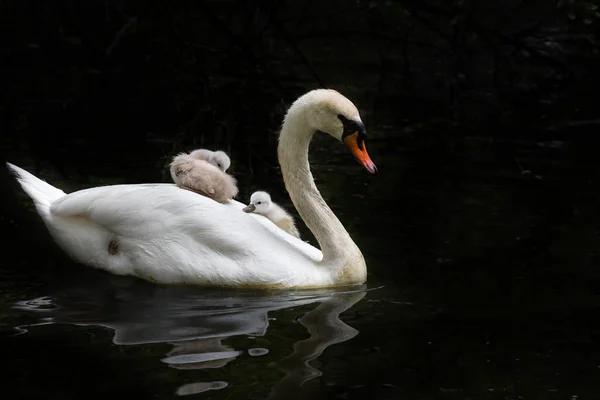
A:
{"x": 203, "y": 171}
{"x": 164, "y": 234}
{"x": 261, "y": 203}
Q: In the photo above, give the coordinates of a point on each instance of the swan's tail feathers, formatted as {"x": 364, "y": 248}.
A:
{"x": 42, "y": 193}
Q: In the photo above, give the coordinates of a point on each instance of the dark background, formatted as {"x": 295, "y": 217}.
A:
{"x": 482, "y": 117}
{"x": 85, "y": 81}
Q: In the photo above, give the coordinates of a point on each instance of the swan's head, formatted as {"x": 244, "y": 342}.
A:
{"x": 219, "y": 159}
{"x": 260, "y": 203}
{"x": 333, "y": 113}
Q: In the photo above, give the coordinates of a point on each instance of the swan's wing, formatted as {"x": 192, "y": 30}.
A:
{"x": 121, "y": 208}
{"x": 146, "y": 211}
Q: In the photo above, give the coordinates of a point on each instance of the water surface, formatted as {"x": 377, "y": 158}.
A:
{"x": 483, "y": 284}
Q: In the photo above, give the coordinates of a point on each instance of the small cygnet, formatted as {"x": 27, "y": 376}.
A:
{"x": 203, "y": 171}
{"x": 260, "y": 203}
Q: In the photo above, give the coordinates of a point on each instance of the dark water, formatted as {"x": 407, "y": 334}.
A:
{"x": 483, "y": 284}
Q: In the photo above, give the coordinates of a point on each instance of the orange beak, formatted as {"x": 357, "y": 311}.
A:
{"x": 360, "y": 152}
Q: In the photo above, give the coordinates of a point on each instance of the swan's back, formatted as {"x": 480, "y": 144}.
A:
{"x": 151, "y": 225}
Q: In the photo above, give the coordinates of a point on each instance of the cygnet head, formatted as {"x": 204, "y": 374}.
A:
{"x": 219, "y": 158}
{"x": 260, "y": 202}
{"x": 330, "y": 112}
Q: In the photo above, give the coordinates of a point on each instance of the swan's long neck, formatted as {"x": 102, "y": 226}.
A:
{"x": 335, "y": 242}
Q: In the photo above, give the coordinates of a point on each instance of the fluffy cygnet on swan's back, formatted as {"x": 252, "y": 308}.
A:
{"x": 261, "y": 203}
{"x": 203, "y": 171}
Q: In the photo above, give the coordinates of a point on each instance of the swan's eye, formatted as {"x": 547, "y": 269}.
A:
{"x": 259, "y": 202}
{"x": 351, "y": 127}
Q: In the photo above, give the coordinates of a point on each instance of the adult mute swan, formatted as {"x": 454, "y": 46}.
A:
{"x": 167, "y": 235}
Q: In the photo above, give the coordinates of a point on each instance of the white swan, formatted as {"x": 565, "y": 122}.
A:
{"x": 163, "y": 234}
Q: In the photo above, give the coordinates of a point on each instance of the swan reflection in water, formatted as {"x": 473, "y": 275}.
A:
{"x": 195, "y": 321}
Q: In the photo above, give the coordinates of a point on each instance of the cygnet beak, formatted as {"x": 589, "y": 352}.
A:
{"x": 249, "y": 208}
{"x": 357, "y": 146}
